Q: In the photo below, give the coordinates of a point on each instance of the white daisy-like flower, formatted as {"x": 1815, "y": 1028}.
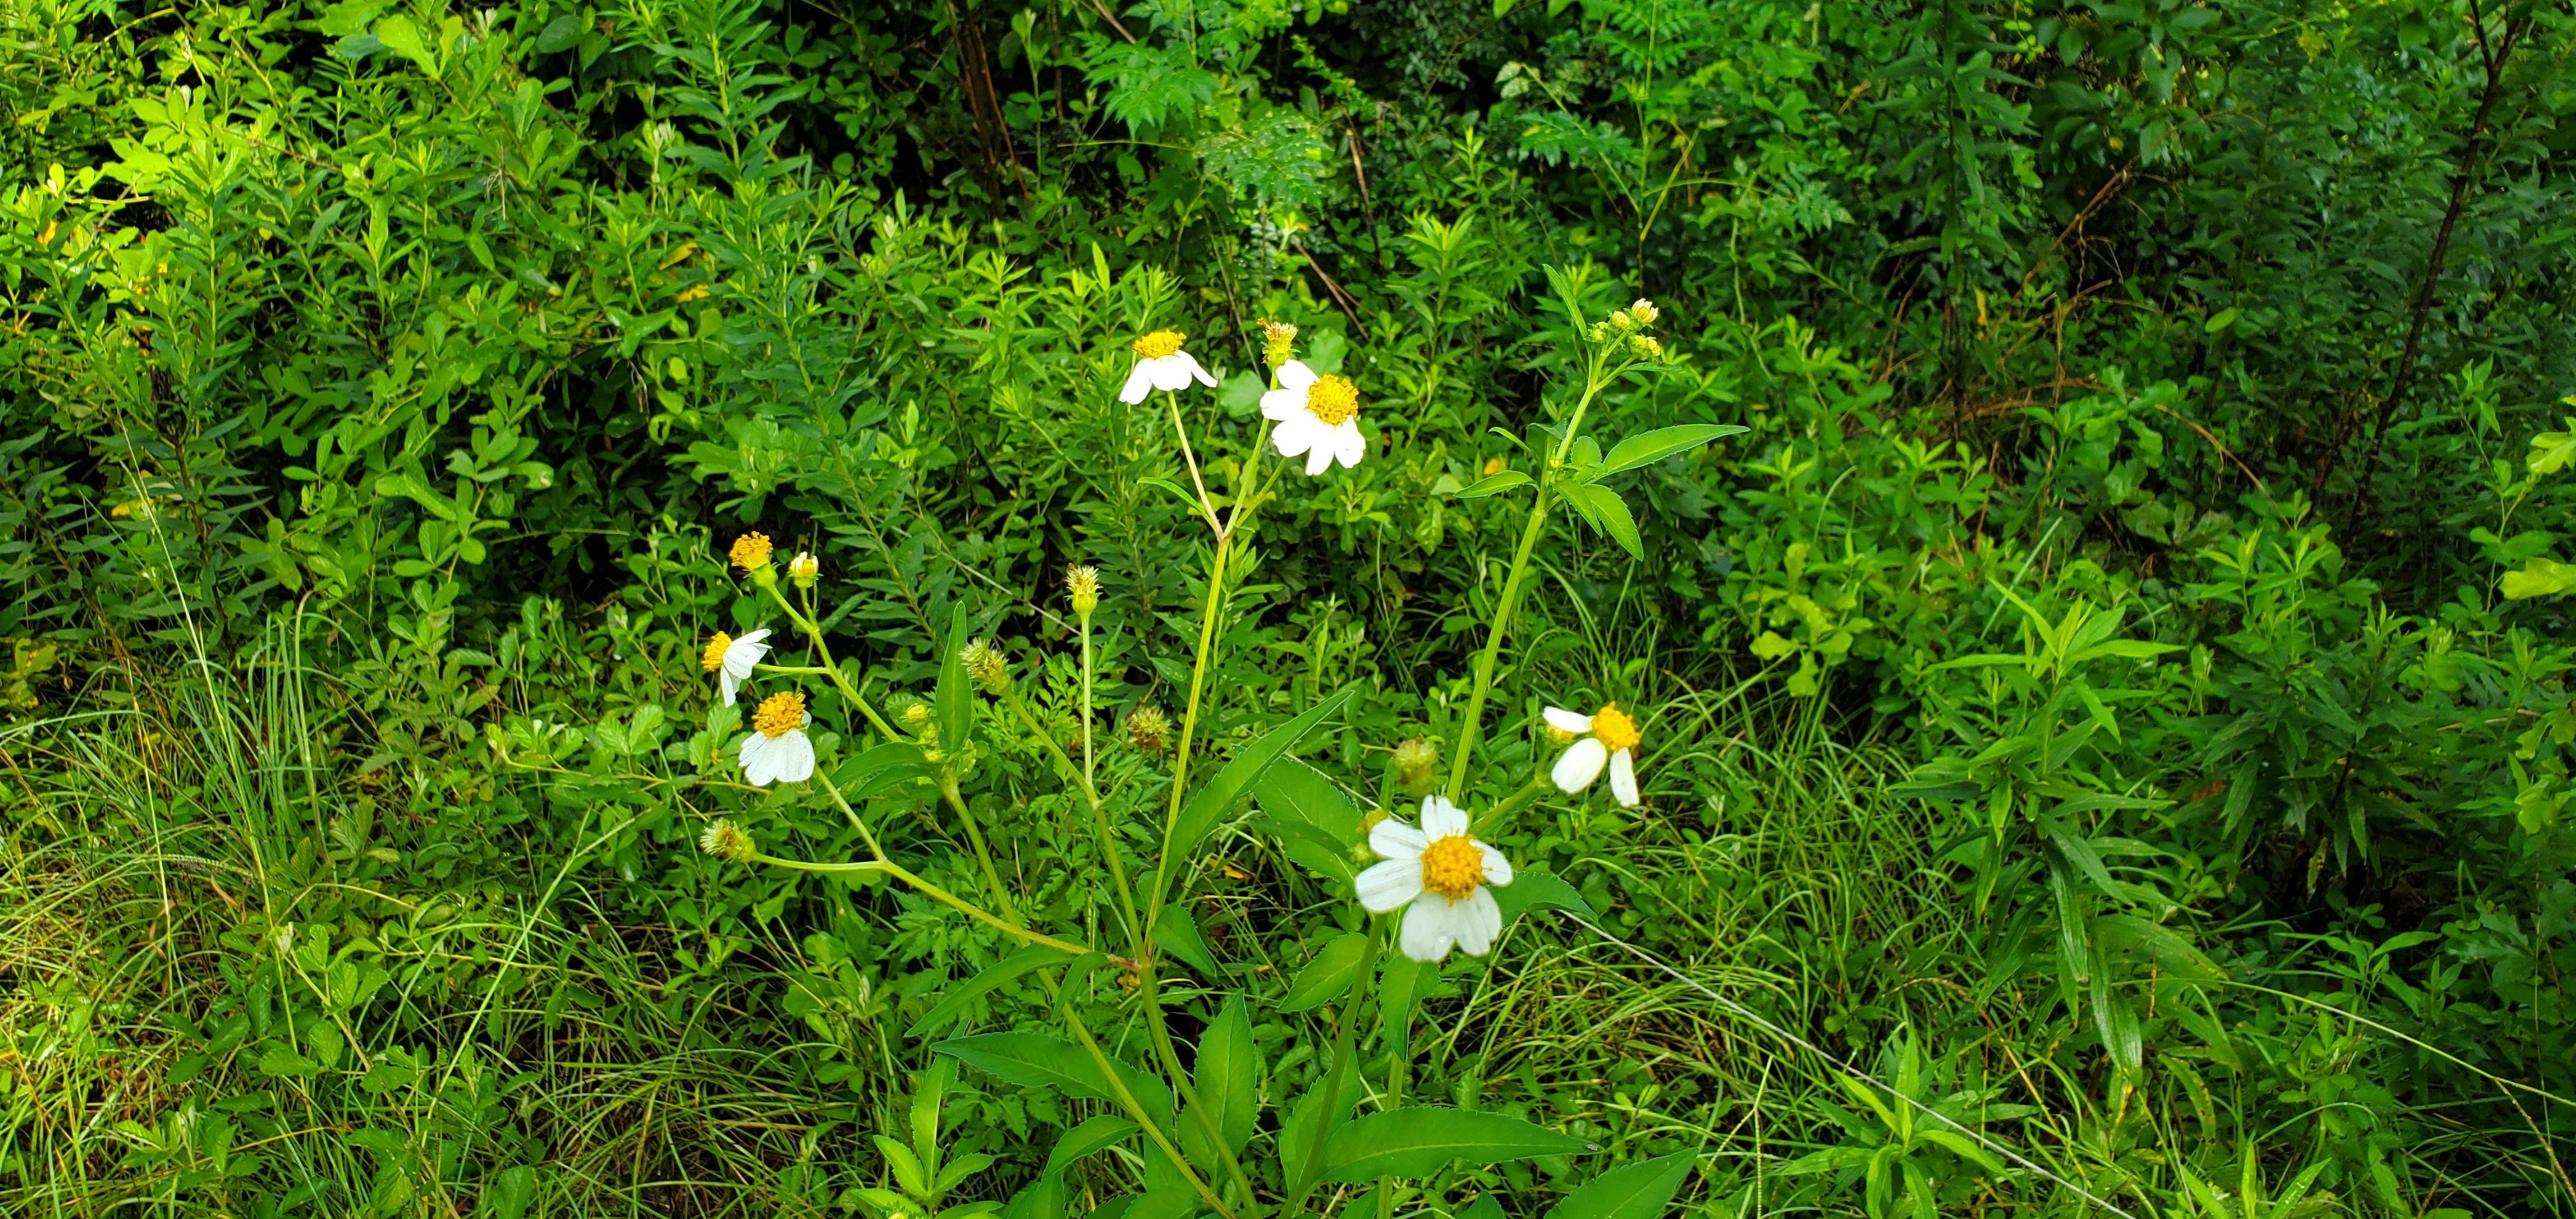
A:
{"x": 732, "y": 659}
{"x": 1161, "y": 364}
{"x": 778, "y": 751}
{"x": 1440, "y": 874}
{"x": 1608, "y": 735}
{"x": 1316, "y": 416}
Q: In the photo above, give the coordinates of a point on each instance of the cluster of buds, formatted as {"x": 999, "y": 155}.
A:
{"x": 1278, "y": 339}
{"x": 1083, "y": 585}
{"x": 1148, "y": 729}
{"x": 986, "y": 667}
{"x": 1415, "y": 760}
{"x": 1624, "y": 327}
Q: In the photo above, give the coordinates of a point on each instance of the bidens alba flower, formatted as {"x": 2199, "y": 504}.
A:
{"x": 1441, "y": 874}
{"x": 1161, "y": 364}
{"x": 1608, "y": 736}
{"x": 777, "y": 751}
{"x": 1317, "y": 416}
{"x": 732, "y": 659}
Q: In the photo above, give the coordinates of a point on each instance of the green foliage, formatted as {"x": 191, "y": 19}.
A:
{"x": 2089, "y": 564}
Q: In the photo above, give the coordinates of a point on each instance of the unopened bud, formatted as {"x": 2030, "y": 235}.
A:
{"x": 1083, "y": 583}
{"x": 803, "y": 569}
{"x": 1148, "y": 728}
{"x": 1644, "y": 347}
{"x": 1278, "y": 340}
{"x": 1623, "y": 321}
{"x": 986, "y": 667}
{"x": 916, "y": 715}
{"x": 727, "y": 842}
{"x": 1414, "y": 762}
{"x": 1644, "y": 311}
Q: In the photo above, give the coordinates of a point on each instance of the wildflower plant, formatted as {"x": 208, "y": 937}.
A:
{"x": 1426, "y": 877}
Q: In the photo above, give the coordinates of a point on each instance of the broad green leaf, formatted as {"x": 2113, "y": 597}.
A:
{"x": 1494, "y": 484}
{"x": 2551, "y": 451}
{"x": 954, "y": 1003}
{"x": 1034, "y": 1060}
{"x": 1325, "y": 978}
{"x": 1177, "y": 933}
{"x": 1419, "y": 1140}
{"x": 1096, "y": 1132}
{"x": 401, "y": 37}
{"x": 2540, "y": 577}
{"x": 1609, "y": 514}
{"x": 2220, "y": 320}
{"x": 1533, "y": 888}
{"x": 1317, "y": 824}
{"x": 1169, "y": 1202}
{"x": 1631, "y": 1191}
{"x": 1217, "y": 797}
{"x": 1651, "y": 447}
{"x": 508, "y": 1191}
{"x": 1484, "y": 1207}
{"x": 1227, "y": 1076}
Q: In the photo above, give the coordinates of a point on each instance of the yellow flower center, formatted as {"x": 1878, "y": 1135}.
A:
{"x": 751, "y": 550}
{"x": 779, "y": 714}
{"x": 714, "y": 657}
{"x": 1157, "y": 345}
{"x": 1333, "y": 400}
{"x": 1614, "y": 729}
{"x": 1452, "y": 866}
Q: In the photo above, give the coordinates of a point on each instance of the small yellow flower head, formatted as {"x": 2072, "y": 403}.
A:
{"x": 751, "y": 551}
{"x": 1415, "y": 760}
{"x": 1157, "y": 345}
{"x": 1614, "y": 728}
{"x": 1148, "y": 728}
{"x": 1278, "y": 341}
{"x": 1452, "y": 867}
{"x": 1496, "y": 465}
{"x": 803, "y": 569}
{"x": 1083, "y": 584}
{"x": 713, "y": 658}
{"x": 1644, "y": 347}
{"x": 727, "y": 842}
{"x": 779, "y": 714}
{"x": 1333, "y": 400}
{"x": 1644, "y": 311}
{"x": 986, "y": 666}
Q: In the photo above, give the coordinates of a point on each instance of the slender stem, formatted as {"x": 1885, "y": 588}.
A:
{"x": 1099, "y": 816}
{"x": 1136, "y": 1110}
{"x": 1304, "y": 1182}
{"x": 937, "y": 894}
{"x": 814, "y": 632}
{"x": 1207, "y": 507}
{"x": 975, "y": 836}
{"x": 1510, "y": 600}
{"x": 1509, "y": 804}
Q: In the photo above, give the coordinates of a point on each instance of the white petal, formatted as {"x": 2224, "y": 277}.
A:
{"x": 730, "y": 683}
{"x": 794, "y": 754}
{"x": 1476, "y": 921}
{"x": 1196, "y": 371}
{"x": 1498, "y": 870}
{"x": 757, "y": 767}
{"x": 1429, "y": 929}
{"x": 1387, "y": 886}
{"x": 1348, "y": 445}
{"x": 1140, "y": 382}
{"x": 1579, "y": 765}
{"x": 1623, "y": 776}
{"x": 1295, "y": 375}
{"x": 1319, "y": 457}
{"x": 1441, "y": 819}
{"x": 1295, "y": 434}
{"x": 745, "y": 653}
{"x": 755, "y": 637}
{"x": 1172, "y": 372}
{"x": 1281, "y": 405}
{"x": 1396, "y": 840}
{"x": 1568, "y": 721}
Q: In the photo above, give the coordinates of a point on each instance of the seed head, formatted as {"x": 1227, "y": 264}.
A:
{"x": 1083, "y": 583}
{"x": 986, "y": 666}
{"x": 727, "y": 842}
{"x": 1415, "y": 760}
{"x": 1148, "y": 728}
{"x": 1278, "y": 339}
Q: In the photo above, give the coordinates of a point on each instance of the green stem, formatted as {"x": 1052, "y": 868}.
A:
{"x": 1136, "y": 1110}
{"x": 1091, "y": 796}
{"x": 1306, "y": 1178}
{"x": 975, "y": 836}
{"x": 935, "y": 893}
{"x": 1510, "y": 601}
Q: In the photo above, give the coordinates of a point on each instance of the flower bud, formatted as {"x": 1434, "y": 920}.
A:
{"x": 1083, "y": 583}
{"x": 804, "y": 569}
{"x": 1278, "y": 340}
{"x": 1148, "y": 728}
{"x": 1644, "y": 347}
{"x": 1600, "y": 332}
{"x": 1415, "y": 760}
{"x": 727, "y": 842}
{"x": 915, "y": 715}
{"x": 1644, "y": 311}
{"x": 986, "y": 667}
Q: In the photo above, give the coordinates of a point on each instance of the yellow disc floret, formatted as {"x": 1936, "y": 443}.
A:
{"x": 1158, "y": 344}
{"x": 1452, "y": 866}
{"x": 779, "y": 714}
{"x": 1333, "y": 400}
{"x": 751, "y": 551}
{"x": 1614, "y": 729}
{"x": 713, "y": 659}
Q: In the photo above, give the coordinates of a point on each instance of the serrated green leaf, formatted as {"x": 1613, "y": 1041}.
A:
{"x": 954, "y": 1003}
{"x": 1096, "y": 1132}
{"x": 1212, "y": 801}
{"x": 1608, "y": 513}
{"x": 1420, "y": 1140}
{"x": 1494, "y": 484}
{"x": 1650, "y": 447}
{"x": 1533, "y": 888}
{"x": 1325, "y": 978}
{"x": 1631, "y": 1191}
